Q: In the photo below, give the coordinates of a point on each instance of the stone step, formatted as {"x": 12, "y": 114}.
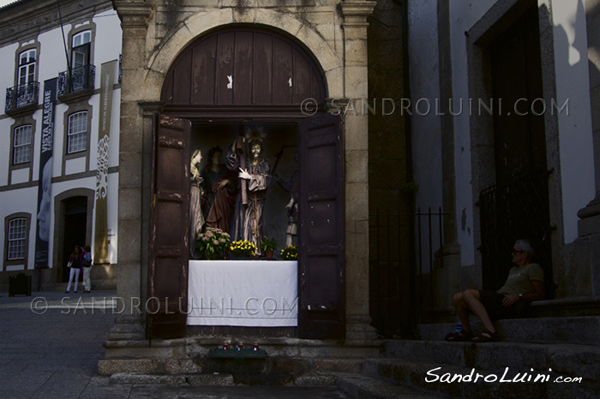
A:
{"x": 177, "y": 379}
{"x": 109, "y": 367}
{"x": 365, "y": 387}
{"x": 579, "y": 360}
{"x": 131, "y": 347}
{"x": 222, "y": 379}
{"x": 576, "y": 330}
{"x": 310, "y": 369}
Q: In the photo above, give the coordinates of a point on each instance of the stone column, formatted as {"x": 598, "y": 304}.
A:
{"x": 356, "y": 140}
{"x": 133, "y": 175}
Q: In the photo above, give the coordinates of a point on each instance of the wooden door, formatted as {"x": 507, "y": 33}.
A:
{"x": 321, "y": 263}
{"x": 517, "y": 206}
{"x": 169, "y": 230}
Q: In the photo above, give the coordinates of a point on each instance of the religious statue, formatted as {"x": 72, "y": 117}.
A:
{"x": 291, "y": 187}
{"x": 291, "y": 233}
{"x": 219, "y": 189}
{"x": 196, "y": 217}
{"x": 255, "y": 176}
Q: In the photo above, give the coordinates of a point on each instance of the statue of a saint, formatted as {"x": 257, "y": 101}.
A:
{"x": 255, "y": 176}
{"x": 196, "y": 217}
{"x": 219, "y": 190}
{"x": 291, "y": 186}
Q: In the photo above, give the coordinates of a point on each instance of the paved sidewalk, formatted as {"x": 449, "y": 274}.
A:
{"x": 50, "y": 343}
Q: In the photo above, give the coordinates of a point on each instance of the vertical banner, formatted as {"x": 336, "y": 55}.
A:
{"x": 44, "y": 209}
{"x": 107, "y": 73}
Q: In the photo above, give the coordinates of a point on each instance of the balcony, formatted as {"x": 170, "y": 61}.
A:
{"x": 22, "y": 98}
{"x": 77, "y": 83}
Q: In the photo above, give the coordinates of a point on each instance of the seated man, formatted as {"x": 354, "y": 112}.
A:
{"x": 525, "y": 283}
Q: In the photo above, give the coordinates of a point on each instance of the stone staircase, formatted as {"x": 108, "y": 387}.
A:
{"x": 532, "y": 348}
{"x": 133, "y": 360}
{"x": 533, "y": 354}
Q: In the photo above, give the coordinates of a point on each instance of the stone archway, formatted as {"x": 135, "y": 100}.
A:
{"x": 161, "y": 60}
{"x": 153, "y": 35}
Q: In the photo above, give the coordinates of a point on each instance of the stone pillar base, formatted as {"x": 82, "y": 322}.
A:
{"x": 127, "y": 328}
{"x": 589, "y": 223}
{"x": 359, "y": 331}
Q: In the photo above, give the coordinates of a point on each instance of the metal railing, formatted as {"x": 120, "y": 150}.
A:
{"x": 508, "y": 212}
{"x": 76, "y": 80}
{"x": 21, "y": 96}
{"x": 404, "y": 252}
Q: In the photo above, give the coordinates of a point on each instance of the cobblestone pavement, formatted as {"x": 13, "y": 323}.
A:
{"x": 50, "y": 343}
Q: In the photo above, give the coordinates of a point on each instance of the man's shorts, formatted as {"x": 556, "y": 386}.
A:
{"x": 493, "y": 304}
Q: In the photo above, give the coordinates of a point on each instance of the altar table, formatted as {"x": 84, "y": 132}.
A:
{"x": 250, "y": 293}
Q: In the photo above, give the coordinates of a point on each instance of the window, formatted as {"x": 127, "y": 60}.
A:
{"x": 17, "y": 238}
{"x": 27, "y": 67}
{"x": 80, "y": 49}
{"x": 77, "y": 133}
{"x": 22, "y": 144}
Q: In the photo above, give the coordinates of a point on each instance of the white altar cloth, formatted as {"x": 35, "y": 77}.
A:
{"x": 243, "y": 293}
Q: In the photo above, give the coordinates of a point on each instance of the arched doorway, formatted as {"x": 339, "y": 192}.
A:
{"x": 74, "y": 229}
{"x": 225, "y": 82}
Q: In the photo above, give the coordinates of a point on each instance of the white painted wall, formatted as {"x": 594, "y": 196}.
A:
{"x": 51, "y": 62}
{"x": 573, "y": 84}
{"x": 424, "y": 84}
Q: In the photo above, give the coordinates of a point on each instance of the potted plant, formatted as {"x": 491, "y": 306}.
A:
{"x": 242, "y": 249}
{"x": 212, "y": 243}
{"x": 268, "y": 246}
{"x": 290, "y": 252}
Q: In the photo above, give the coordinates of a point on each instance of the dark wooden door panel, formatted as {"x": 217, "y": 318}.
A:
{"x": 242, "y": 78}
{"x": 224, "y": 75}
{"x": 321, "y": 264}
{"x": 242, "y": 66}
{"x": 168, "y": 263}
{"x": 263, "y": 71}
{"x": 203, "y": 72}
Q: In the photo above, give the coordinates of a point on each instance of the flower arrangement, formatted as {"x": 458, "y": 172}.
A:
{"x": 290, "y": 252}
{"x": 212, "y": 243}
{"x": 242, "y": 248}
{"x": 268, "y": 244}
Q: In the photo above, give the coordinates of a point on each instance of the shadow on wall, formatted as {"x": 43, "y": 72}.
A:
{"x": 573, "y": 274}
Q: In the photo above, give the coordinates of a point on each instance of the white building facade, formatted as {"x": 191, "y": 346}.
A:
{"x": 514, "y": 122}
{"x": 78, "y": 64}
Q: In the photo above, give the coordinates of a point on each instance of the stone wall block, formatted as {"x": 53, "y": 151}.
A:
{"x": 357, "y": 164}
{"x": 324, "y": 51}
{"x": 356, "y": 53}
{"x": 335, "y": 82}
{"x": 244, "y": 15}
{"x": 357, "y": 82}
{"x": 357, "y": 132}
{"x": 358, "y": 207}
{"x": 130, "y": 203}
{"x": 130, "y": 169}
{"x": 161, "y": 60}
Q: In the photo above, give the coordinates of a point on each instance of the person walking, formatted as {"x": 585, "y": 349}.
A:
{"x": 75, "y": 265}
{"x": 86, "y": 265}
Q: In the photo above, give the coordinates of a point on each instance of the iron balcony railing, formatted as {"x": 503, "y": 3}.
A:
{"x": 76, "y": 80}
{"x": 21, "y": 96}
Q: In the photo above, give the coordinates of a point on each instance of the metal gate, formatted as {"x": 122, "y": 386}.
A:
{"x": 510, "y": 212}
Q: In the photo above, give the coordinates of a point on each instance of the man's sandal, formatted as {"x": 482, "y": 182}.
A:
{"x": 486, "y": 336}
{"x": 460, "y": 336}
